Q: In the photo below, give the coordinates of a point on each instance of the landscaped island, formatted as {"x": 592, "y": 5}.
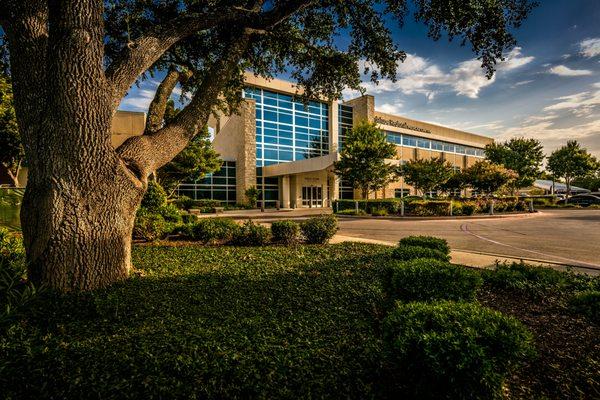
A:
{"x": 304, "y": 321}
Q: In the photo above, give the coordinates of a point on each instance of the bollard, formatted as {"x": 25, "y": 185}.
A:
{"x": 277, "y": 205}
{"x": 402, "y": 208}
{"x": 492, "y": 208}
{"x": 531, "y": 209}
{"x": 356, "y": 207}
{"x": 451, "y": 207}
{"x": 337, "y": 206}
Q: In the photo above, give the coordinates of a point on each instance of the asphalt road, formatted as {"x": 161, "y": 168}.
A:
{"x": 564, "y": 236}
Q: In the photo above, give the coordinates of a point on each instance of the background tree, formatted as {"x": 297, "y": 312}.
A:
{"x": 590, "y": 181}
{"x": 487, "y": 177}
{"x": 72, "y": 61}
{"x": 570, "y": 162}
{"x": 363, "y": 159}
{"x": 11, "y": 149}
{"x": 523, "y": 156}
{"x": 427, "y": 175}
{"x": 456, "y": 183}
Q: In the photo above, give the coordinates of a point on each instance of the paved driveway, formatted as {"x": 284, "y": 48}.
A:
{"x": 563, "y": 236}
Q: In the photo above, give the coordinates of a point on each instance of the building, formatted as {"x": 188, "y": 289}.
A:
{"x": 287, "y": 150}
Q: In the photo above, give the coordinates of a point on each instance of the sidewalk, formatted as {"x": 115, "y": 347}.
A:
{"x": 478, "y": 260}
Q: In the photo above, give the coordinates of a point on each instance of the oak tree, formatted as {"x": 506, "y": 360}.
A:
{"x": 72, "y": 61}
{"x": 523, "y": 156}
{"x": 488, "y": 178}
{"x": 427, "y": 175}
{"x": 570, "y": 162}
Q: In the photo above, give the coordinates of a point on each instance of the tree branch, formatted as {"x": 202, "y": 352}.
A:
{"x": 156, "y": 111}
{"x": 145, "y": 154}
{"x": 136, "y": 58}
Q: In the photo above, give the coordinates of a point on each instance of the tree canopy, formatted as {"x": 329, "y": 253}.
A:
{"x": 487, "y": 177}
{"x": 521, "y": 155}
{"x": 427, "y": 175}
{"x": 570, "y": 162}
{"x": 363, "y": 159}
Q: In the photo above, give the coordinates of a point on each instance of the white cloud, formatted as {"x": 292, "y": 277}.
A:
{"x": 419, "y": 75}
{"x": 390, "y": 108}
{"x": 139, "y": 101}
{"x": 590, "y": 47}
{"x": 563, "y": 70}
{"x": 580, "y": 104}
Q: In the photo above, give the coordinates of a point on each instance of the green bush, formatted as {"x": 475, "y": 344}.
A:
{"x": 587, "y": 303}
{"x": 426, "y": 279}
{"x": 429, "y": 208}
{"x": 319, "y": 230}
{"x": 189, "y": 218}
{"x": 170, "y": 213}
{"x": 286, "y": 232}
{"x": 184, "y": 203}
{"x": 212, "y": 230}
{"x": 426, "y": 241}
{"x": 250, "y": 234}
{"x": 407, "y": 253}
{"x": 351, "y": 211}
{"x": 391, "y": 205}
{"x": 448, "y": 350}
{"x": 149, "y": 225}
{"x": 16, "y": 293}
{"x": 379, "y": 212}
{"x": 526, "y": 278}
{"x": 467, "y": 208}
{"x": 155, "y": 197}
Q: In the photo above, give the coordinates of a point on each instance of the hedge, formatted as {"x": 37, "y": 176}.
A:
{"x": 250, "y": 234}
{"x": 392, "y": 206}
{"x": 449, "y": 350}
{"x": 286, "y": 232}
{"x": 587, "y": 303}
{"x": 426, "y": 279}
{"x": 213, "y": 230}
{"x": 407, "y": 253}
{"x": 430, "y": 242}
{"x": 319, "y": 230}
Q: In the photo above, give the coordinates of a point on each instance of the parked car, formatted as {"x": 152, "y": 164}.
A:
{"x": 583, "y": 200}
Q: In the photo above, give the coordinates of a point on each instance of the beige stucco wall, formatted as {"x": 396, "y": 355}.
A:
{"x": 126, "y": 124}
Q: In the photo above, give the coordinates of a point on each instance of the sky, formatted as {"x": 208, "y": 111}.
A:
{"x": 548, "y": 87}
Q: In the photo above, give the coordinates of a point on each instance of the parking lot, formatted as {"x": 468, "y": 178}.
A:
{"x": 563, "y": 236}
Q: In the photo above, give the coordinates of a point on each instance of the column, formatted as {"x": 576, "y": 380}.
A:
{"x": 285, "y": 191}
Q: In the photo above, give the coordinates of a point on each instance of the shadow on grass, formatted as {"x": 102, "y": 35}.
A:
{"x": 262, "y": 323}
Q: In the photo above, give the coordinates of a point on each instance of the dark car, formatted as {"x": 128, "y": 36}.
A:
{"x": 583, "y": 200}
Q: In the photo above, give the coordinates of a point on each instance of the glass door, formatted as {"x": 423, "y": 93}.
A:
{"x": 312, "y": 196}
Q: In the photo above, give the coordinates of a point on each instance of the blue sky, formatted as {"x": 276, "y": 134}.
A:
{"x": 548, "y": 88}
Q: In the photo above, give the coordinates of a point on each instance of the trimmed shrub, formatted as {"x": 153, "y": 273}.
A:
{"x": 250, "y": 234}
{"x": 449, "y": 350}
{"x": 407, "y": 253}
{"x": 184, "y": 203}
{"x": 212, "y": 230}
{"x": 189, "y": 218}
{"x": 286, "y": 232}
{"x": 170, "y": 213}
{"x": 319, "y": 230}
{"x": 587, "y": 303}
{"x": 391, "y": 205}
{"x": 149, "y": 226}
{"x": 426, "y": 279}
{"x": 155, "y": 196}
{"x": 426, "y": 241}
{"x": 429, "y": 208}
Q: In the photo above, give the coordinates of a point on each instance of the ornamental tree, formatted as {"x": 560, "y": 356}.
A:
{"x": 363, "y": 159}
{"x": 570, "y": 162}
{"x": 427, "y": 175}
{"x": 72, "y": 61}
{"x": 523, "y": 156}
{"x": 11, "y": 149}
{"x": 488, "y": 178}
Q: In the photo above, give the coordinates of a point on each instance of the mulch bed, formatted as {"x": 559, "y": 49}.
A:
{"x": 567, "y": 365}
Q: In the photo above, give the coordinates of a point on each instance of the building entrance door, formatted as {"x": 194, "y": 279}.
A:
{"x": 312, "y": 196}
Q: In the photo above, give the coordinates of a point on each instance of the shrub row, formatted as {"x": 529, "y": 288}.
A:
{"x": 437, "y": 344}
{"x": 151, "y": 226}
{"x": 416, "y": 206}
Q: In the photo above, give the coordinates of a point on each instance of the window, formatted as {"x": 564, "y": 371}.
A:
{"x": 423, "y": 143}
{"x": 219, "y": 185}
{"x": 400, "y": 193}
{"x": 345, "y": 115}
{"x": 394, "y": 137}
{"x": 346, "y": 190}
{"x": 410, "y": 141}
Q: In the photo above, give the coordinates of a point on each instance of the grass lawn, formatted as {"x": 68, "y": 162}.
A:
{"x": 266, "y": 322}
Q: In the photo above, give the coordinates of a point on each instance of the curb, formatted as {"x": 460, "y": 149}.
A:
{"x": 445, "y": 218}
